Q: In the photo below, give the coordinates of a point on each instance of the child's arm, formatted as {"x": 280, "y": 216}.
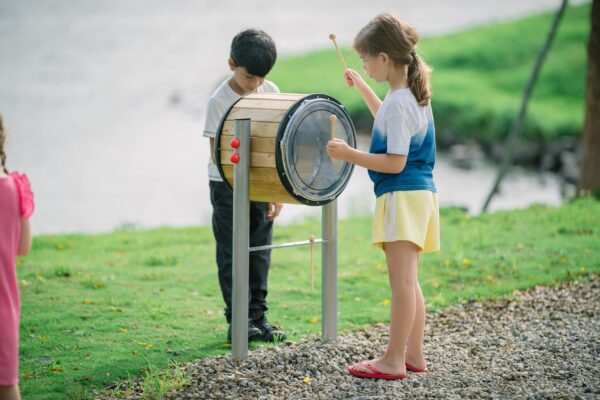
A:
{"x": 386, "y": 163}
{"x": 214, "y": 112}
{"x": 354, "y": 79}
{"x": 274, "y": 210}
{"x": 25, "y": 239}
{"x": 212, "y": 150}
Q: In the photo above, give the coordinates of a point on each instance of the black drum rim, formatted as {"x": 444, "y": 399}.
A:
{"x": 218, "y": 147}
{"x": 279, "y": 165}
{"x": 293, "y": 179}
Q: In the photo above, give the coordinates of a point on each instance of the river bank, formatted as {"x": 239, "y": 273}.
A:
{"x": 477, "y": 90}
{"x": 104, "y": 102}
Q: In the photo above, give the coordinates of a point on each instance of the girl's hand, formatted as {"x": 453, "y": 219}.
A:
{"x": 353, "y": 79}
{"x": 274, "y": 210}
{"x": 337, "y": 149}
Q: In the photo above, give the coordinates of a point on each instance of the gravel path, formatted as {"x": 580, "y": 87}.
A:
{"x": 541, "y": 344}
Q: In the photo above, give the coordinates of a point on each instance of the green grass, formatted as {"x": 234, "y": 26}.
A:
{"x": 478, "y": 78}
{"x": 100, "y": 308}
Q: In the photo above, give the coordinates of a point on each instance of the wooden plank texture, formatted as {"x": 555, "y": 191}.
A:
{"x": 256, "y": 159}
{"x": 268, "y": 175}
{"x": 257, "y": 129}
{"x": 256, "y": 115}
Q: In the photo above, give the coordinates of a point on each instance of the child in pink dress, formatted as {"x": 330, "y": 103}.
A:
{"x": 16, "y": 206}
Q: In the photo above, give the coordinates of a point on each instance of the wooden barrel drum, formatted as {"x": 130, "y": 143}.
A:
{"x": 289, "y": 133}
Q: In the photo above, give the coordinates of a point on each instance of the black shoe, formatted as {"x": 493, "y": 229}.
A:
{"x": 269, "y": 332}
{"x": 253, "y": 332}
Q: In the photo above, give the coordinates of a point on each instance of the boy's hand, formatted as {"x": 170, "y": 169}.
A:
{"x": 337, "y": 149}
{"x": 353, "y": 79}
{"x": 274, "y": 210}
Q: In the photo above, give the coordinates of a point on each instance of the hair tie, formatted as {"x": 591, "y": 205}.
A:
{"x": 413, "y": 58}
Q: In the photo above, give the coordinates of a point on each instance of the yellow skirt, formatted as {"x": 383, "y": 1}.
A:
{"x": 408, "y": 215}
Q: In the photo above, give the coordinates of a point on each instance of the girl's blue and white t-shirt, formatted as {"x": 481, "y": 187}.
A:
{"x": 404, "y": 127}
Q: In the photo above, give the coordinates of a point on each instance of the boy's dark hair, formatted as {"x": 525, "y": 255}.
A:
{"x": 254, "y": 50}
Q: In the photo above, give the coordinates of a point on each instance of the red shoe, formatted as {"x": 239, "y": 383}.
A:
{"x": 412, "y": 368}
{"x": 373, "y": 373}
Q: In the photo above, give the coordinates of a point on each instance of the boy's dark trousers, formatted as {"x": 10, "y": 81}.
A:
{"x": 261, "y": 230}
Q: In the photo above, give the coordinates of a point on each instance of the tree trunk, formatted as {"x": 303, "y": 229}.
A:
{"x": 515, "y": 128}
{"x": 590, "y": 164}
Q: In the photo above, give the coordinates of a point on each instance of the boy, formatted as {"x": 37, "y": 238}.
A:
{"x": 252, "y": 56}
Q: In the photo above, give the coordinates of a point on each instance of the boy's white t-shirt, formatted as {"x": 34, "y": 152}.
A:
{"x": 220, "y": 101}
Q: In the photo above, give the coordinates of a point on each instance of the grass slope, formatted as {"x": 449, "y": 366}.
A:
{"x": 478, "y": 78}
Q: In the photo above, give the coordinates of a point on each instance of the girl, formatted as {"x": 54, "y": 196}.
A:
{"x": 400, "y": 163}
{"x": 16, "y": 206}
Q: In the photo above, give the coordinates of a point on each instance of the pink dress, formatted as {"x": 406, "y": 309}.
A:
{"x": 15, "y": 197}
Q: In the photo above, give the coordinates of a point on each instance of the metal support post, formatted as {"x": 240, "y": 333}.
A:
{"x": 241, "y": 242}
{"x": 329, "y": 268}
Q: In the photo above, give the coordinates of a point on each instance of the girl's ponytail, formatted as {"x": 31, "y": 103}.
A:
{"x": 418, "y": 79}
{"x": 2, "y": 140}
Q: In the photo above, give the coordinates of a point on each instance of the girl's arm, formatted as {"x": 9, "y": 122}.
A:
{"x": 386, "y": 163}
{"x": 25, "y": 240}
{"x": 354, "y": 79}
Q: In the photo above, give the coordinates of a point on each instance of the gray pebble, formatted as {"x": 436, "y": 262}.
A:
{"x": 541, "y": 343}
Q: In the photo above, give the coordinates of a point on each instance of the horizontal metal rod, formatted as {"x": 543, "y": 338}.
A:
{"x": 290, "y": 244}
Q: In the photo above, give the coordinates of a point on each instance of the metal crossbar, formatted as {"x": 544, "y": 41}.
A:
{"x": 290, "y": 244}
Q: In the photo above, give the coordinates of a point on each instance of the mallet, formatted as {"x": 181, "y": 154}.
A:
{"x": 333, "y": 120}
{"x": 332, "y": 37}
{"x": 311, "y": 238}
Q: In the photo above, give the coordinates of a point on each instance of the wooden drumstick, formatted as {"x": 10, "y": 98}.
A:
{"x": 311, "y": 238}
{"x": 332, "y": 37}
{"x": 333, "y": 120}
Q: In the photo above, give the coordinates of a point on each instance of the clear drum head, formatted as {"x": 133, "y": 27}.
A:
{"x": 313, "y": 177}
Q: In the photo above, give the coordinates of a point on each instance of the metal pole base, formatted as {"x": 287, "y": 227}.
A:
{"x": 329, "y": 268}
{"x": 241, "y": 243}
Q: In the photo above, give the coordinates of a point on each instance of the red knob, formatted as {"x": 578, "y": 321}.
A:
{"x": 235, "y": 143}
{"x": 235, "y": 158}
